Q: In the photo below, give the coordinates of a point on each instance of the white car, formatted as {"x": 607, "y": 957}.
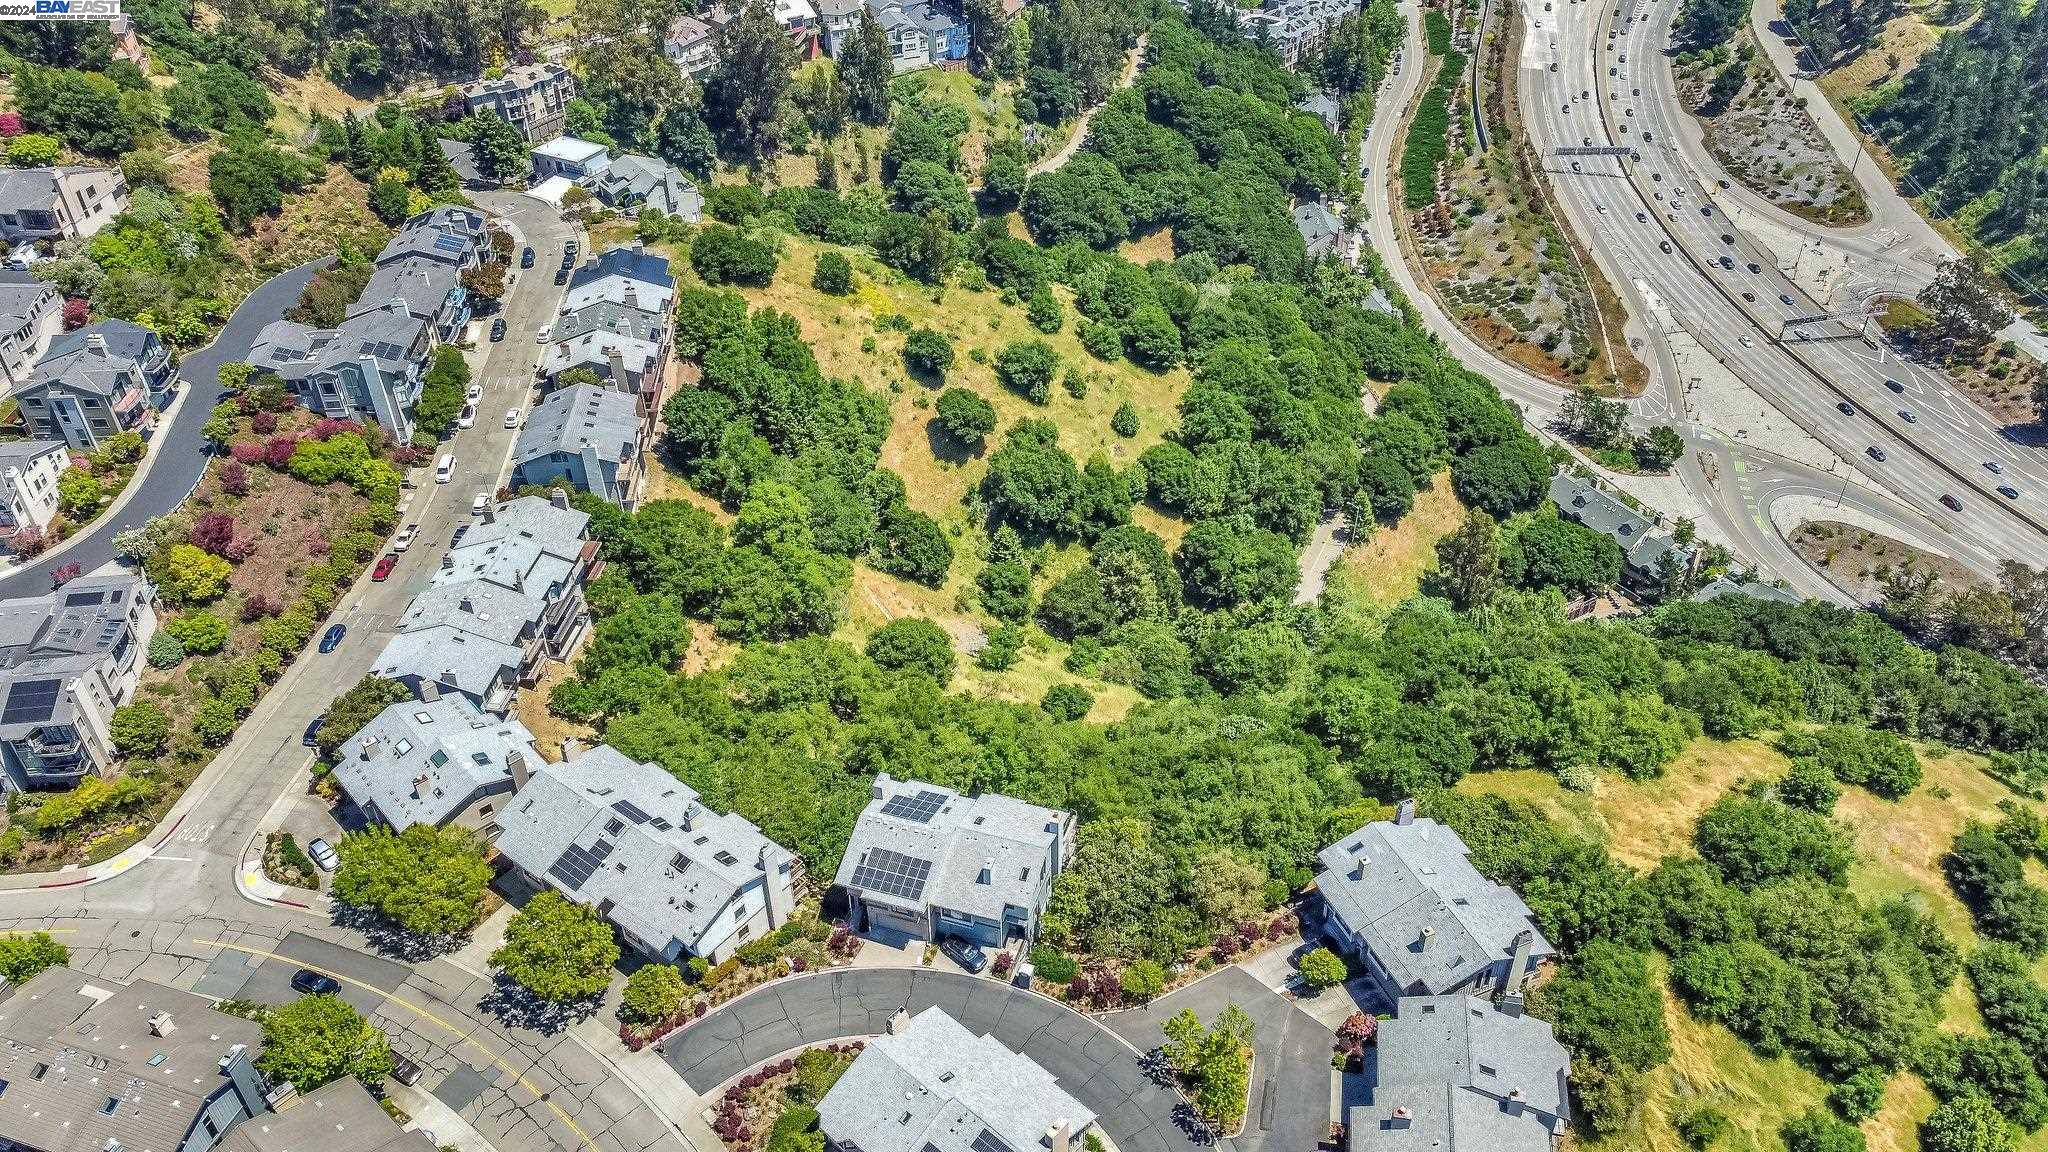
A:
{"x": 475, "y": 393}
{"x": 1745, "y": 341}
{"x": 324, "y": 856}
{"x": 511, "y": 417}
{"x": 541, "y": 337}
{"x": 405, "y": 537}
{"x": 468, "y": 416}
{"x": 482, "y": 501}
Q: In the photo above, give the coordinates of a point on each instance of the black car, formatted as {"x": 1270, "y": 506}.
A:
{"x": 314, "y": 983}
{"x": 526, "y": 258}
{"x": 331, "y": 639}
{"x": 406, "y": 1070}
{"x": 1951, "y": 503}
{"x": 1895, "y": 386}
{"x": 497, "y": 329}
{"x": 963, "y": 953}
{"x": 2008, "y": 491}
{"x": 1847, "y": 408}
{"x": 311, "y": 738}
{"x": 1875, "y": 453}
{"x": 562, "y": 275}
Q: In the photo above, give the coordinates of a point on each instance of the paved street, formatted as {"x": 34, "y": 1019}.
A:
{"x": 1089, "y": 1060}
{"x": 177, "y": 452}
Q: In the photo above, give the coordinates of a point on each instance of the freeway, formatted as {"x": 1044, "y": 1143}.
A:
{"x": 1652, "y": 219}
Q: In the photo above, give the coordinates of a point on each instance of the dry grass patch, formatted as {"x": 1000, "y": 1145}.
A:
{"x": 1390, "y": 565}
{"x": 1154, "y": 245}
{"x": 550, "y": 730}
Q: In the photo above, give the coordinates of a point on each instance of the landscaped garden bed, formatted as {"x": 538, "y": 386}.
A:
{"x": 775, "y": 1107}
{"x": 670, "y": 997}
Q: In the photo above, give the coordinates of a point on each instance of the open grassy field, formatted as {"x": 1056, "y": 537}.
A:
{"x": 1389, "y": 566}
{"x": 1899, "y": 846}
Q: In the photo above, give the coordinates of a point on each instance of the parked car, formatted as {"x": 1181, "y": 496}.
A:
{"x": 311, "y": 738}
{"x": 512, "y": 417}
{"x": 497, "y": 329}
{"x": 383, "y": 569}
{"x": 314, "y": 983}
{"x": 482, "y": 501}
{"x": 331, "y": 639}
{"x": 475, "y": 393}
{"x": 541, "y": 337}
{"x": 405, "y": 1069}
{"x": 561, "y": 275}
{"x": 526, "y": 257}
{"x": 963, "y": 953}
{"x": 405, "y": 537}
{"x": 324, "y": 856}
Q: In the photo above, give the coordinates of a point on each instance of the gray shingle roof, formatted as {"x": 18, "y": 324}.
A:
{"x": 477, "y": 607}
{"x": 449, "y": 234}
{"x": 1387, "y": 882}
{"x": 422, "y": 284}
{"x": 1642, "y": 544}
{"x": 584, "y": 416}
{"x": 423, "y": 761}
{"x": 588, "y": 336}
{"x": 450, "y": 656}
{"x": 651, "y": 183}
{"x": 21, "y": 297}
{"x": 1319, "y": 227}
{"x": 86, "y": 369}
{"x": 1455, "y": 1072}
{"x": 338, "y": 1114}
{"x": 961, "y": 837}
{"x": 615, "y": 273}
{"x": 37, "y": 187}
{"x": 122, "y": 337}
{"x": 1722, "y": 586}
{"x": 936, "y": 1086}
{"x": 528, "y": 545}
{"x": 603, "y": 828}
{"x": 385, "y": 333}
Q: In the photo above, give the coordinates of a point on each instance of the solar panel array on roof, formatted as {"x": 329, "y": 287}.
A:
{"x": 576, "y": 863}
{"x": 921, "y": 806}
{"x": 987, "y": 1141}
{"x": 82, "y": 599}
{"x": 447, "y": 243}
{"x": 630, "y": 811}
{"x": 31, "y": 700}
{"x": 892, "y": 873}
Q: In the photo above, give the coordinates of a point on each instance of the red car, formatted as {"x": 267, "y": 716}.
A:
{"x": 384, "y": 567}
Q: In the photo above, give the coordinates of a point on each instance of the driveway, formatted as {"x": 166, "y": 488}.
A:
{"x": 1088, "y": 1059}
{"x": 177, "y": 452}
{"x": 1290, "y": 1090}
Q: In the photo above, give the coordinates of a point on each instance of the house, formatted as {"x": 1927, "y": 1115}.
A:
{"x": 800, "y": 20}
{"x": 690, "y": 45}
{"x": 1459, "y": 1074}
{"x": 28, "y": 483}
{"x": 337, "y": 1110}
{"x": 1650, "y": 557}
{"x": 89, "y": 388}
{"x": 570, "y": 158}
{"x": 909, "y": 47}
{"x": 1402, "y": 895}
{"x": 637, "y": 844}
{"x": 1721, "y": 586}
{"x": 622, "y": 344}
{"x": 928, "y": 862}
{"x": 504, "y": 602}
{"x": 67, "y": 660}
{"x": 31, "y": 315}
{"x": 1324, "y": 107}
{"x": 62, "y": 203}
{"x": 462, "y": 158}
{"x": 457, "y": 237}
{"x": 430, "y": 291}
{"x": 533, "y": 98}
{"x": 94, "y": 1064}
{"x": 632, "y": 182}
{"x": 127, "y": 45}
{"x": 586, "y": 436}
{"x": 946, "y": 38}
{"x": 1324, "y": 233}
{"x": 435, "y": 761}
{"x": 838, "y": 19}
{"x": 930, "y": 1085}
{"x": 623, "y": 275}
{"x": 369, "y": 368}
{"x": 124, "y": 338}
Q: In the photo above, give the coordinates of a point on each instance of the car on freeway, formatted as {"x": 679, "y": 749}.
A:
{"x": 1723, "y": 183}
{"x": 382, "y": 571}
{"x": 1906, "y": 414}
{"x": 1994, "y": 467}
{"x": 1875, "y": 453}
{"x": 1894, "y": 385}
{"x": 314, "y": 983}
{"x": 482, "y": 501}
{"x": 1707, "y": 210}
{"x": 312, "y": 737}
{"x": 1801, "y": 334}
{"x": 331, "y": 639}
{"x": 1728, "y": 262}
{"x": 1664, "y": 245}
{"x": 526, "y": 257}
{"x": 2008, "y": 491}
{"x": 497, "y": 329}
{"x": 1642, "y": 218}
{"x": 963, "y": 953}
{"x": 475, "y": 393}
{"x": 1847, "y": 408}
{"x": 511, "y": 417}
{"x": 1784, "y": 299}
{"x": 1951, "y": 503}
{"x": 468, "y": 416}
{"x": 1745, "y": 341}
{"x": 1727, "y": 238}
{"x": 405, "y": 537}
{"x": 323, "y": 854}
{"x": 1755, "y": 269}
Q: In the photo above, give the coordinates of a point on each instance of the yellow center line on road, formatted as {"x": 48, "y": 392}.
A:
{"x": 459, "y": 1034}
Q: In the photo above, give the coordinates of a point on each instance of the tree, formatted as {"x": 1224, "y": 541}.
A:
{"x": 199, "y": 633}
{"x": 654, "y": 992}
{"x": 557, "y": 950}
{"x": 318, "y": 1039}
{"x": 1322, "y": 969}
{"x": 443, "y": 392}
{"x": 929, "y": 353}
{"x": 913, "y": 643}
{"x": 23, "y": 956}
{"x": 965, "y": 416}
{"x": 1755, "y": 840}
{"x": 388, "y": 199}
{"x": 1964, "y": 304}
{"x": 1033, "y": 483}
{"x": 1214, "y": 1062}
{"x": 864, "y": 66}
{"x": 1142, "y": 982}
{"x": 1658, "y": 449}
{"x": 249, "y": 180}
{"x": 744, "y": 93}
{"x": 83, "y": 109}
{"x": 723, "y": 255}
{"x": 1124, "y": 421}
{"x": 833, "y": 275}
{"x": 429, "y": 881}
{"x": 1226, "y": 562}
{"x": 1043, "y": 310}
{"x": 1968, "y": 1123}
{"x": 1065, "y": 701}
{"x": 34, "y": 150}
{"x": 139, "y": 729}
{"x": 192, "y": 575}
{"x": 1548, "y": 551}
{"x": 1502, "y": 478}
{"x": 355, "y": 708}
{"x": 1816, "y": 1130}
{"x": 501, "y": 150}
{"x": 79, "y": 492}
{"x": 1705, "y": 24}
{"x": 1027, "y": 367}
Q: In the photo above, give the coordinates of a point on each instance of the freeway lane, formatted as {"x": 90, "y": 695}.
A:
{"x": 1632, "y": 211}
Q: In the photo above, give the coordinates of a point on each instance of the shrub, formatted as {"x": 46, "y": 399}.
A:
{"x": 200, "y": 633}
{"x": 965, "y": 415}
{"x": 928, "y": 352}
{"x": 1101, "y": 340}
{"x": 1027, "y": 367}
{"x": 1124, "y": 422}
{"x": 653, "y": 993}
{"x": 833, "y": 275}
{"x": 1067, "y": 702}
{"x": 1322, "y": 969}
{"x": 1052, "y": 965}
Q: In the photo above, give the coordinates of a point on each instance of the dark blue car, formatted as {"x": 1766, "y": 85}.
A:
{"x": 312, "y": 736}
{"x": 331, "y": 639}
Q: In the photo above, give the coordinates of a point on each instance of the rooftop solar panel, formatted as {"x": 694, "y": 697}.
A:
{"x": 987, "y": 1141}
{"x": 920, "y": 806}
{"x": 892, "y": 873}
{"x": 630, "y": 811}
{"x": 576, "y": 863}
{"x": 29, "y": 701}
{"x": 82, "y": 599}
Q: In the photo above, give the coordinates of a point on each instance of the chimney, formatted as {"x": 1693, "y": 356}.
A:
{"x": 571, "y": 748}
{"x": 1428, "y": 932}
{"x": 1060, "y": 1137}
{"x": 875, "y": 789}
{"x": 617, "y": 362}
{"x": 1401, "y": 1117}
{"x": 282, "y": 1097}
{"x": 160, "y": 1025}
{"x": 429, "y": 691}
{"x": 1518, "y": 963}
{"x": 97, "y": 342}
{"x": 631, "y": 296}
{"x": 900, "y": 1022}
{"x": 468, "y": 605}
{"x": 690, "y": 818}
{"x": 515, "y": 760}
{"x": 447, "y": 560}
{"x": 559, "y": 498}
{"x": 1515, "y": 1101}
{"x": 1359, "y": 865}
{"x": 1404, "y": 812}
{"x": 419, "y": 785}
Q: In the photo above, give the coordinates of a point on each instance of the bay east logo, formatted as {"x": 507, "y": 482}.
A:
{"x": 60, "y": 9}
